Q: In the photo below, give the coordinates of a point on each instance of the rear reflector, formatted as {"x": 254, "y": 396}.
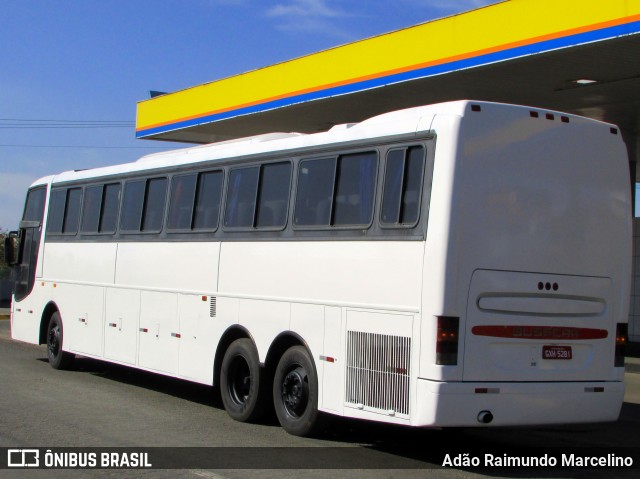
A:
{"x": 487, "y": 390}
{"x": 594, "y": 390}
{"x": 447, "y": 341}
{"x": 328, "y": 359}
{"x": 621, "y": 342}
{"x": 539, "y": 332}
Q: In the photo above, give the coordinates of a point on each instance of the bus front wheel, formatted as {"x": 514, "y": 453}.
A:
{"x": 241, "y": 379}
{"x": 58, "y": 359}
{"x": 295, "y": 392}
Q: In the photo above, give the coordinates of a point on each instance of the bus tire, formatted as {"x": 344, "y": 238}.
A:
{"x": 295, "y": 392}
{"x": 58, "y": 359}
{"x": 241, "y": 382}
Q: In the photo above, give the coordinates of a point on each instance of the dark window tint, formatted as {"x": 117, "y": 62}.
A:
{"x": 132, "y": 205}
{"x": 91, "y": 209}
{"x": 315, "y": 189}
{"x": 154, "y": 204}
{"x": 34, "y": 208}
{"x": 183, "y": 190}
{"x": 241, "y": 197}
{"x": 64, "y": 210}
{"x": 110, "y": 205}
{"x": 56, "y": 210}
{"x": 208, "y": 201}
{"x": 273, "y": 197}
{"x": 393, "y": 183}
{"x": 355, "y": 189}
{"x": 72, "y": 210}
{"x": 403, "y": 186}
{"x": 336, "y": 192}
{"x": 414, "y": 168}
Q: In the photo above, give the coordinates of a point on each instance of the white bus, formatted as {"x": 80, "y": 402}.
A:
{"x": 460, "y": 264}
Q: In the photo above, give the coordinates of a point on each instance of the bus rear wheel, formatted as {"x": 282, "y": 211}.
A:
{"x": 58, "y": 359}
{"x": 241, "y": 382}
{"x": 295, "y": 392}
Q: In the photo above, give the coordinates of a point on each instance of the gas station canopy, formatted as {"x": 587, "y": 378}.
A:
{"x": 577, "y": 56}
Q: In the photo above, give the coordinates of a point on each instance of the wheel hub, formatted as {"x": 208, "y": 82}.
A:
{"x": 54, "y": 340}
{"x": 295, "y": 391}
{"x": 240, "y": 381}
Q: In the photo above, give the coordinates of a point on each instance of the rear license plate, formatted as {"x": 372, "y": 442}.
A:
{"x": 556, "y": 352}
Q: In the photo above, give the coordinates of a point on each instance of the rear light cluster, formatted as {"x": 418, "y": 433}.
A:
{"x": 621, "y": 342}
{"x": 447, "y": 341}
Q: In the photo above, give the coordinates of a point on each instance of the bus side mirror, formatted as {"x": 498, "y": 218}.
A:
{"x": 11, "y": 248}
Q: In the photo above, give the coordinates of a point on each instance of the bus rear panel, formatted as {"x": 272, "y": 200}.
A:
{"x": 534, "y": 256}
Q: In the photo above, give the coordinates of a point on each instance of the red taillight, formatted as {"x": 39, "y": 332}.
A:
{"x": 447, "y": 341}
{"x": 621, "y": 342}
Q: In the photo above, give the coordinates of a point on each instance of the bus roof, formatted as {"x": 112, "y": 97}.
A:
{"x": 406, "y": 121}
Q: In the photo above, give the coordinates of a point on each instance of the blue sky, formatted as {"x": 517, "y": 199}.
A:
{"x": 71, "y": 71}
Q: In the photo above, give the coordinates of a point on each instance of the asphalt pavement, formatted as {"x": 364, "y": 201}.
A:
{"x": 100, "y": 405}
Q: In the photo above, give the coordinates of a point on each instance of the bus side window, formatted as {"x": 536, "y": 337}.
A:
{"x": 207, "y": 209}
{"x": 110, "y": 206}
{"x": 64, "y": 212}
{"x": 154, "y": 203}
{"x": 131, "y": 215}
{"x": 402, "y": 187}
{"x": 91, "y": 209}
{"x": 143, "y": 205}
{"x": 72, "y": 211}
{"x": 195, "y": 201}
{"x": 336, "y": 191}
{"x": 183, "y": 191}
{"x": 241, "y": 197}
{"x": 56, "y": 211}
{"x": 34, "y": 209}
{"x": 315, "y": 188}
{"x": 273, "y": 195}
{"x": 355, "y": 188}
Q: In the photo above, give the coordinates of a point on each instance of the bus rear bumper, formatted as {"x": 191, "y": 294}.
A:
{"x": 465, "y": 404}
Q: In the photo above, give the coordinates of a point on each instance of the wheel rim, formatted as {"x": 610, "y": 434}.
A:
{"x": 239, "y": 384}
{"x": 54, "y": 341}
{"x": 295, "y": 391}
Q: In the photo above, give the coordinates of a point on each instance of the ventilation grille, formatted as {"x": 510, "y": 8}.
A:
{"x": 212, "y": 307}
{"x": 378, "y": 372}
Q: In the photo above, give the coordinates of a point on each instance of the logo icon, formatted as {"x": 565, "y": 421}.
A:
{"x": 23, "y": 458}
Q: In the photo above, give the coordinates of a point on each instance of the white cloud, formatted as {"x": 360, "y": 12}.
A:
{"x": 305, "y": 9}
{"x": 449, "y": 7}
{"x": 310, "y": 16}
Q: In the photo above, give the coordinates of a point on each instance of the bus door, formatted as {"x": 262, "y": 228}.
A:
{"x": 30, "y": 235}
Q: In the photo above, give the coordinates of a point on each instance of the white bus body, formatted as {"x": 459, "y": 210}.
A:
{"x": 497, "y": 294}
